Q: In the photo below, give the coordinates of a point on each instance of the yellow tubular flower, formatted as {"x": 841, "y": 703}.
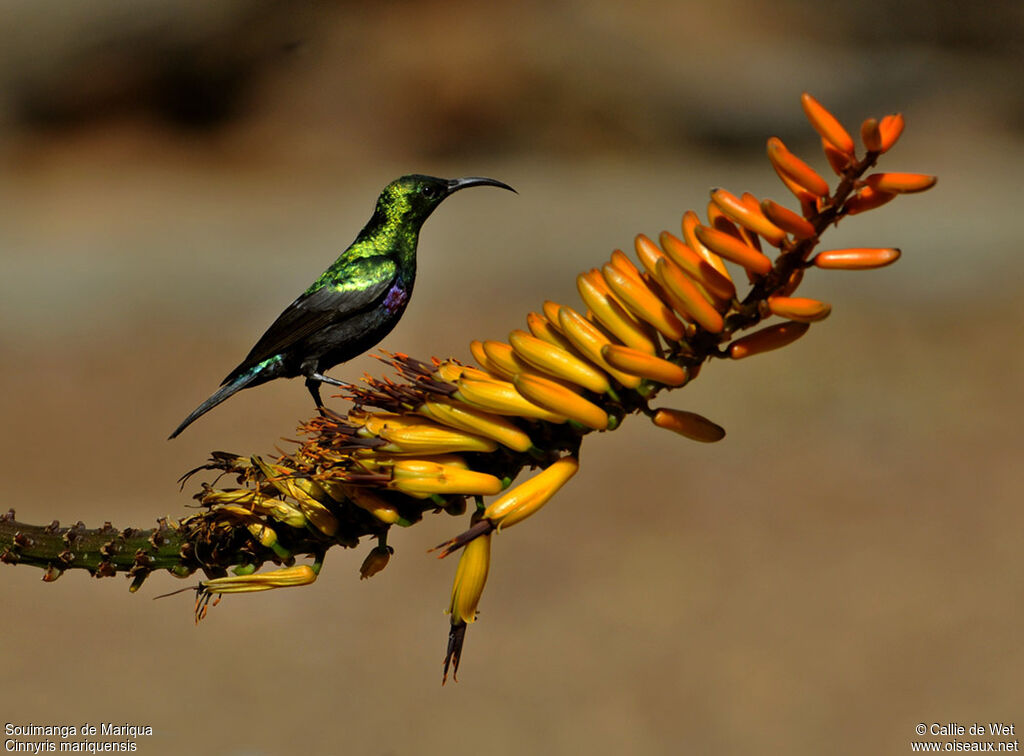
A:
{"x": 719, "y": 288}
{"x": 589, "y": 340}
{"x": 506, "y": 359}
{"x": 558, "y": 362}
{"x": 525, "y": 499}
{"x": 451, "y": 371}
{"x": 643, "y": 302}
{"x": 595, "y": 294}
{"x": 425, "y": 478}
{"x": 690, "y": 297}
{"x": 462, "y": 416}
{"x": 690, "y": 223}
{"x": 433, "y": 439}
{"x": 557, "y": 398}
{"x": 799, "y": 308}
{"x": 501, "y": 356}
{"x": 551, "y": 310}
{"x": 501, "y": 398}
{"x": 470, "y": 579}
{"x": 545, "y": 330}
{"x": 492, "y": 370}
{"x": 287, "y": 577}
{"x": 644, "y": 365}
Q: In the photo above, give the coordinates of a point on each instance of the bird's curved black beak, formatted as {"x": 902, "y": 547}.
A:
{"x": 462, "y": 183}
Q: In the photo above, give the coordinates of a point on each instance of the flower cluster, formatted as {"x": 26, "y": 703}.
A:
{"x": 439, "y": 434}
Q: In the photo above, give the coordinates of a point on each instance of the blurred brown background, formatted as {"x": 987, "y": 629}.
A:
{"x": 846, "y": 564}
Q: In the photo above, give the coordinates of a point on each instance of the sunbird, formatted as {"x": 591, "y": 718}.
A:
{"x": 354, "y": 303}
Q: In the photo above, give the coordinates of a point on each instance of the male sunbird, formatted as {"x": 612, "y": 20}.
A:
{"x": 355, "y": 303}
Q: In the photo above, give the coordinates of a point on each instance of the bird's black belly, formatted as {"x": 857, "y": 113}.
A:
{"x": 341, "y": 342}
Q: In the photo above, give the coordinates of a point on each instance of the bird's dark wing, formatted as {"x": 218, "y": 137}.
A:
{"x": 366, "y": 283}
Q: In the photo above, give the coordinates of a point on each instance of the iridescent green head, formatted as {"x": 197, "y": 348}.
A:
{"x": 410, "y": 200}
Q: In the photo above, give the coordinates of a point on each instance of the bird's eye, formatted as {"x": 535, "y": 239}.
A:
{"x": 429, "y": 191}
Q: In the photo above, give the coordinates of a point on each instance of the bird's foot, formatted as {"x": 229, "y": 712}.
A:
{"x": 321, "y": 378}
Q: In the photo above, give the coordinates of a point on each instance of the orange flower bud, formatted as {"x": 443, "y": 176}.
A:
{"x": 871, "y": 135}
{"x": 690, "y": 297}
{"x": 838, "y": 160}
{"x": 689, "y": 424}
{"x": 867, "y": 199}
{"x": 718, "y": 286}
{"x": 767, "y": 339}
{"x": 787, "y": 220}
{"x": 827, "y": 124}
{"x": 647, "y": 252}
{"x": 622, "y": 263}
{"x": 856, "y": 259}
{"x": 644, "y": 365}
{"x": 800, "y": 309}
{"x": 733, "y": 249}
{"x": 796, "y": 170}
{"x": 901, "y": 183}
{"x": 690, "y": 223}
{"x": 747, "y": 215}
{"x": 890, "y": 128}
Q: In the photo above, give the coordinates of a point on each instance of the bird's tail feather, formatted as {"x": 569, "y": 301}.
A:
{"x": 248, "y": 378}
